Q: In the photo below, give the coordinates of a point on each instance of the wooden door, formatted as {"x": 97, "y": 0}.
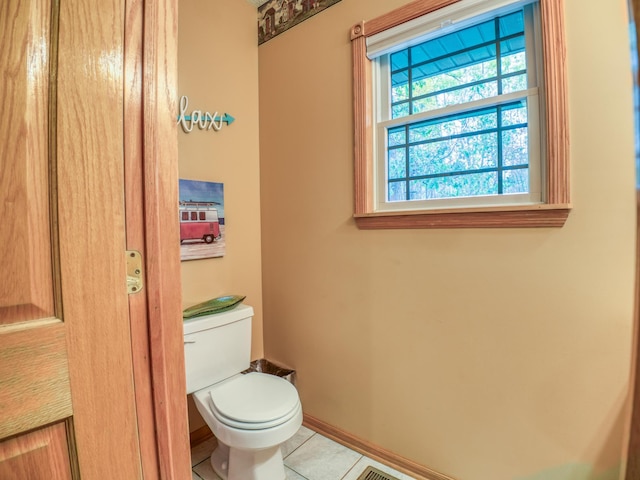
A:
{"x": 67, "y": 397}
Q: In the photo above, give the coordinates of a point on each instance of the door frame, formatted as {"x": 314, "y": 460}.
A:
{"x": 151, "y": 177}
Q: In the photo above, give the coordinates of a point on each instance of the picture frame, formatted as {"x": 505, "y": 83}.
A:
{"x": 202, "y": 219}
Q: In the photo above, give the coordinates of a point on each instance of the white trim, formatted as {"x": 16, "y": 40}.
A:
{"x": 440, "y": 22}
{"x": 460, "y": 202}
{"x": 460, "y": 108}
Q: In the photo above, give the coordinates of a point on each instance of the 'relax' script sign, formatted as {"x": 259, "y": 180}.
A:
{"x": 203, "y": 120}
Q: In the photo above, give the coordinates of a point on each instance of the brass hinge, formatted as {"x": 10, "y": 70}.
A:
{"x": 134, "y": 271}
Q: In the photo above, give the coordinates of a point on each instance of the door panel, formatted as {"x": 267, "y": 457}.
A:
{"x": 65, "y": 346}
{"x": 40, "y": 455}
{"x": 25, "y": 256}
{"x": 34, "y": 365}
{"x": 33, "y": 349}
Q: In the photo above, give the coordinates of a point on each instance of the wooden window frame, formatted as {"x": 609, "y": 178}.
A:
{"x": 552, "y": 213}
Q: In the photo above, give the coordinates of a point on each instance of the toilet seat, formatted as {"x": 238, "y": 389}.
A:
{"x": 254, "y": 401}
{"x": 255, "y": 426}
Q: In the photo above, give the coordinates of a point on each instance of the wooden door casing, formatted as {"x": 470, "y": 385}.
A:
{"x": 162, "y": 258}
{"x": 151, "y": 172}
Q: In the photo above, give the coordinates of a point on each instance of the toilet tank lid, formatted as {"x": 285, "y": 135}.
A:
{"x": 207, "y": 322}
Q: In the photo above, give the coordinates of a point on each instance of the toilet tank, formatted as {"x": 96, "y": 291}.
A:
{"x": 217, "y": 346}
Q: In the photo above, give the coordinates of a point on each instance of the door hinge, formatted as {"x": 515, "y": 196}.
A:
{"x": 134, "y": 271}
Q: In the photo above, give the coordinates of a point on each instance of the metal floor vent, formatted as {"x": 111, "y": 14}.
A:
{"x": 371, "y": 473}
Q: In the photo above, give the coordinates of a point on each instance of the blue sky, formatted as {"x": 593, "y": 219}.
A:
{"x": 197, "y": 191}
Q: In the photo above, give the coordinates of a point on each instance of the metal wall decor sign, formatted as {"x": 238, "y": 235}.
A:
{"x": 276, "y": 16}
{"x": 200, "y": 119}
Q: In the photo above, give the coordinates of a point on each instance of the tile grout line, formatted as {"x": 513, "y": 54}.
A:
{"x": 200, "y": 462}
{"x": 352, "y": 466}
{"x": 289, "y": 454}
{"x": 196, "y": 473}
{"x": 297, "y": 473}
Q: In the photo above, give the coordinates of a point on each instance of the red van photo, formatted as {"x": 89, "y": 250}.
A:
{"x": 199, "y": 221}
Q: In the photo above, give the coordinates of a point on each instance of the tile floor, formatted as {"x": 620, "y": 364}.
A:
{"x": 307, "y": 456}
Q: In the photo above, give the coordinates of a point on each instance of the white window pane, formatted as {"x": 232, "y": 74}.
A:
{"x": 454, "y": 155}
{"x": 514, "y": 115}
{"x": 397, "y": 163}
{"x": 512, "y": 24}
{"x": 449, "y": 44}
{"x": 515, "y": 181}
{"x": 431, "y": 130}
{"x": 454, "y": 186}
{"x": 400, "y": 60}
{"x": 399, "y": 86}
{"x": 397, "y": 136}
{"x": 401, "y": 110}
{"x": 515, "y": 147}
{"x": 462, "y": 71}
{"x": 515, "y": 62}
{"x": 514, "y": 84}
{"x": 456, "y": 97}
{"x": 397, "y": 191}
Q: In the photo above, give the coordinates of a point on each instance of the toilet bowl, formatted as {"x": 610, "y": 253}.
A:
{"x": 251, "y": 414}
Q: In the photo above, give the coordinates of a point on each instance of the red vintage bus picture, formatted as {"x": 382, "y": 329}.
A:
{"x": 199, "y": 221}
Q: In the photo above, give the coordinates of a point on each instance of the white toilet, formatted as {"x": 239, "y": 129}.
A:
{"x": 250, "y": 414}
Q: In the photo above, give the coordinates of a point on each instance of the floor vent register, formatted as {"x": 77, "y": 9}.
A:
{"x": 374, "y": 474}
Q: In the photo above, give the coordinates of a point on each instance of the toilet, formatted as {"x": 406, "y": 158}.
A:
{"x": 251, "y": 414}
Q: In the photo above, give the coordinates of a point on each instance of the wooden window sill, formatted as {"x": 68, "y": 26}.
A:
{"x": 493, "y": 217}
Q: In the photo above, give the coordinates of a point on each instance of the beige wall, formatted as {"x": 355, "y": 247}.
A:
{"x": 218, "y": 71}
{"x": 483, "y": 354}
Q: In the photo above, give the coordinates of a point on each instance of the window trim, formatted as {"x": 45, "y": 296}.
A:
{"x": 555, "y": 209}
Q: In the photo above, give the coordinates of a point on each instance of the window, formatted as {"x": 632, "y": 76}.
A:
{"x": 185, "y": 216}
{"x": 201, "y": 215}
{"x": 451, "y": 119}
{"x": 454, "y": 118}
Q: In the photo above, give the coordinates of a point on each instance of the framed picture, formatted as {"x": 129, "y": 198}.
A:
{"x": 276, "y": 16}
{"x": 202, "y": 220}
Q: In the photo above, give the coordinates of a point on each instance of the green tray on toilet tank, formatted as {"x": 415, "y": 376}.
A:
{"x": 215, "y": 305}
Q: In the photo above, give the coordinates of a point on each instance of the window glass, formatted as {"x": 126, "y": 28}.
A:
{"x": 446, "y": 157}
{"x": 460, "y": 67}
